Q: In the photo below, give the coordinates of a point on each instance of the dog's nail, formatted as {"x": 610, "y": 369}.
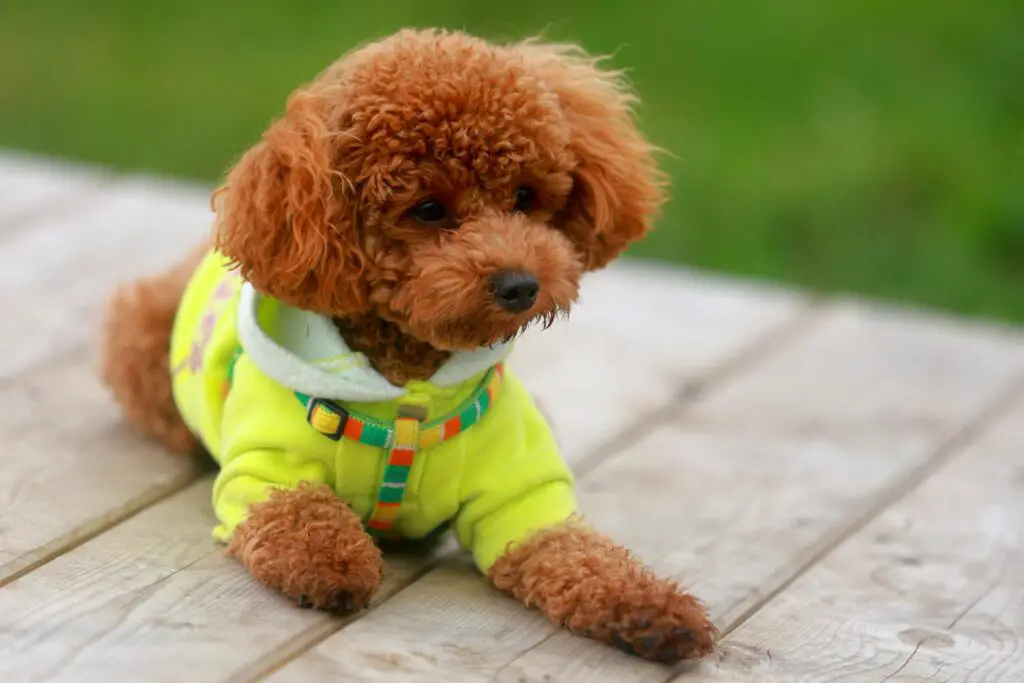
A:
{"x": 351, "y": 604}
{"x": 649, "y": 642}
{"x": 683, "y": 633}
{"x": 666, "y": 656}
{"x": 342, "y": 603}
{"x": 621, "y": 643}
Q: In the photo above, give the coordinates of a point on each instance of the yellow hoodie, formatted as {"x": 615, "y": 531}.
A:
{"x": 277, "y": 397}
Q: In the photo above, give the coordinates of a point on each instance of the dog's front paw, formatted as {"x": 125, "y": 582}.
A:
{"x": 642, "y": 614}
{"x": 310, "y": 546}
{"x": 594, "y": 587}
{"x": 676, "y": 628}
{"x": 340, "y": 603}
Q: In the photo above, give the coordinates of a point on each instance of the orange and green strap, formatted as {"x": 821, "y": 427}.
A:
{"x": 396, "y": 474}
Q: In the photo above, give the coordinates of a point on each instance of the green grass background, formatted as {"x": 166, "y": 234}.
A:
{"x": 872, "y": 146}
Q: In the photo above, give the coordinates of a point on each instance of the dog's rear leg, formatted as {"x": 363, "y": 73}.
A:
{"x": 135, "y": 350}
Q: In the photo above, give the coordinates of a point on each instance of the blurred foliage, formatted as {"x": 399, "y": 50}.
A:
{"x": 856, "y": 145}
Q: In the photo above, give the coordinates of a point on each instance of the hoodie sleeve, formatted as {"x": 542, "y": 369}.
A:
{"x": 265, "y": 444}
{"x": 515, "y": 483}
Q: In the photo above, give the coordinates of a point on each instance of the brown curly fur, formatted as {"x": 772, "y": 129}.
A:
{"x": 583, "y": 581}
{"x": 319, "y": 215}
{"x": 310, "y": 546}
{"x": 135, "y": 360}
{"x": 394, "y": 354}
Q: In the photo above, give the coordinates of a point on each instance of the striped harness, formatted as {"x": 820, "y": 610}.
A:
{"x": 402, "y": 438}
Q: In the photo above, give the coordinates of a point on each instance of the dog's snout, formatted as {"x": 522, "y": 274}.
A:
{"x": 515, "y": 291}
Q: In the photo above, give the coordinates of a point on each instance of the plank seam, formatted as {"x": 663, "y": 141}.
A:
{"x": 552, "y": 632}
{"x": 749, "y": 355}
{"x": 306, "y": 641}
{"x": 69, "y": 659}
{"x": 954, "y": 445}
{"x": 83, "y": 534}
{"x": 1004, "y": 565}
{"x": 906, "y": 661}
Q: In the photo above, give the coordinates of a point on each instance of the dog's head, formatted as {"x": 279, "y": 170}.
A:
{"x": 453, "y": 187}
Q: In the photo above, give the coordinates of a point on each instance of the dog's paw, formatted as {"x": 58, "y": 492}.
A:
{"x": 666, "y": 640}
{"x": 585, "y": 582}
{"x": 310, "y": 546}
{"x": 342, "y": 604}
{"x": 652, "y": 619}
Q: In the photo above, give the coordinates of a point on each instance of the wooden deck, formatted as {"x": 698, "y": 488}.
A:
{"x": 843, "y": 483}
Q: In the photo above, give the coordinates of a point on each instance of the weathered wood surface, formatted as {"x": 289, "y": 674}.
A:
{"x": 931, "y": 590}
{"x": 29, "y": 185}
{"x": 659, "y": 333}
{"x": 155, "y": 599}
{"x": 825, "y": 476}
{"x": 70, "y": 468}
{"x": 62, "y": 263}
{"x": 733, "y": 507}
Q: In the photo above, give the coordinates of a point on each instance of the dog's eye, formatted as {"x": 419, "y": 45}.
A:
{"x": 525, "y": 199}
{"x": 429, "y": 212}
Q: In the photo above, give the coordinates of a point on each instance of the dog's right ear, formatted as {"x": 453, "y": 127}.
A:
{"x": 285, "y": 219}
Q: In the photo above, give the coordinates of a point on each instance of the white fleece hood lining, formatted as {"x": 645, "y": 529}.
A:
{"x": 307, "y": 353}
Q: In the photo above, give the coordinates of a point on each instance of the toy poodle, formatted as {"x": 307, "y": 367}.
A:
{"x": 339, "y": 346}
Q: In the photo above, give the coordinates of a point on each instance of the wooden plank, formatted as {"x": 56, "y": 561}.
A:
{"x": 154, "y": 599}
{"x": 31, "y": 185}
{"x": 656, "y": 331}
{"x": 778, "y": 463}
{"x": 70, "y": 467}
{"x": 932, "y": 590}
{"x": 733, "y": 503}
{"x": 58, "y": 271}
{"x": 431, "y": 638}
{"x": 918, "y": 375}
{"x": 242, "y": 653}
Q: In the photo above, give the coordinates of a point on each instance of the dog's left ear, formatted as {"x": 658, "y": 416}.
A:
{"x": 618, "y": 189}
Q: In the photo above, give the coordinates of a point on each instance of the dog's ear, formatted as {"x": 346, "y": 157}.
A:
{"x": 285, "y": 219}
{"x": 618, "y": 189}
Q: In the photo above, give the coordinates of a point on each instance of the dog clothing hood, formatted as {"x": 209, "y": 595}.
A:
{"x": 305, "y": 352}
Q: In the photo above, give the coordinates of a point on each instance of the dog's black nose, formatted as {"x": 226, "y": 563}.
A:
{"x": 515, "y": 291}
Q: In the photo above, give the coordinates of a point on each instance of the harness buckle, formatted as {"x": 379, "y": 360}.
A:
{"x": 327, "y": 417}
